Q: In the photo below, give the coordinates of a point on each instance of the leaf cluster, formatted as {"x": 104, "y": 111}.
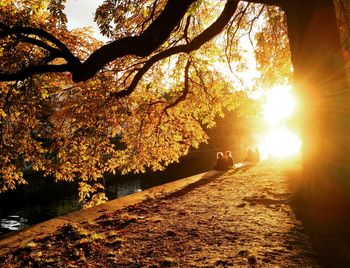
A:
{"x": 272, "y": 50}
{"x": 119, "y": 18}
{"x": 137, "y": 113}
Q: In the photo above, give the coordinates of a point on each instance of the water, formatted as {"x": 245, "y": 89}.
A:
{"x": 32, "y": 204}
{"x": 43, "y": 199}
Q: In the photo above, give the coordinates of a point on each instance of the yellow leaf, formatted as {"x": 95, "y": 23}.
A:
{"x": 2, "y": 113}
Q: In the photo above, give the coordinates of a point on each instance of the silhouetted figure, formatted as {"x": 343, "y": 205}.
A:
{"x": 252, "y": 155}
{"x": 228, "y": 159}
{"x": 224, "y": 161}
{"x": 220, "y": 162}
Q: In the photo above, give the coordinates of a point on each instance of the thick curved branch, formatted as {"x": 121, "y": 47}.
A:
{"x": 39, "y": 43}
{"x": 54, "y": 52}
{"x": 209, "y": 33}
{"x": 17, "y": 30}
{"x": 60, "y": 50}
{"x": 143, "y": 45}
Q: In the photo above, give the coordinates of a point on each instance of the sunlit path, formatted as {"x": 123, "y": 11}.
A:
{"x": 240, "y": 219}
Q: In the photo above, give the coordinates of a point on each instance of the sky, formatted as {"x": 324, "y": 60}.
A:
{"x": 80, "y": 13}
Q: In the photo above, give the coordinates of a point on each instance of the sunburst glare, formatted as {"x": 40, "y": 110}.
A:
{"x": 279, "y": 140}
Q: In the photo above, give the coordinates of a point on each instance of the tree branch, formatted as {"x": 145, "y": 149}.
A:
{"x": 17, "y": 30}
{"x": 60, "y": 51}
{"x": 143, "y": 45}
{"x": 39, "y": 43}
{"x": 230, "y": 38}
{"x": 151, "y": 15}
{"x": 195, "y": 44}
{"x": 188, "y": 21}
{"x": 183, "y": 96}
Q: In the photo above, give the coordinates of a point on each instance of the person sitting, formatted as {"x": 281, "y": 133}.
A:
{"x": 220, "y": 162}
{"x": 252, "y": 155}
{"x": 228, "y": 159}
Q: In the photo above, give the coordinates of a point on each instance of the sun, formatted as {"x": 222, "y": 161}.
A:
{"x": 280, "y": 104}
{"x": 279, "y": 140}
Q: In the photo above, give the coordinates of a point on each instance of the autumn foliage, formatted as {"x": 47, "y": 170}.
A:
{"x": 143, "y": 109}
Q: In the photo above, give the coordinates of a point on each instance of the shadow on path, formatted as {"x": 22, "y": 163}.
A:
{"x": 207, "y": 178}
{"x": 329, "y": 238}
{"x": 326, "y": 222}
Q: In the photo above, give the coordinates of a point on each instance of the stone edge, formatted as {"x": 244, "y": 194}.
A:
{"x": 20, "y": 238}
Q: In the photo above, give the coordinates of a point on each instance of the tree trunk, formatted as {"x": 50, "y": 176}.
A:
{"x": 322, "y": 85}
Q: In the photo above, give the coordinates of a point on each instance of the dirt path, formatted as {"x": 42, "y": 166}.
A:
{"x": 241, "y": 219}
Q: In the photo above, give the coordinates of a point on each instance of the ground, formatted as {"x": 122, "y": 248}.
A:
{"x": 243, "y": 218}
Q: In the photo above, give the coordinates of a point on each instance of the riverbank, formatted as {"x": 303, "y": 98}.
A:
{"x": 20, "y": 238}
{"x": 241, "y": 218}
{"x": 43, "y": 199}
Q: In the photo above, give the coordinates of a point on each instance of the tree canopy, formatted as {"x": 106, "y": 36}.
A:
{"x": 76, "y": 108}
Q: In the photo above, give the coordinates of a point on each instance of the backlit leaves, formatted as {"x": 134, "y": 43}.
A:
{"x": 272, "y": 52}
{"x": 80, "y": 131}
{"x": 120, "y": 18}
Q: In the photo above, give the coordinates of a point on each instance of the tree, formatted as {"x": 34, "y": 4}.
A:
{"x": 147, "y": 38}
{"x": 321, "y": 80}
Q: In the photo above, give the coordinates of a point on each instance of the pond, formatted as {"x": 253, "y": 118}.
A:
{"x": 42, "y": 199}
